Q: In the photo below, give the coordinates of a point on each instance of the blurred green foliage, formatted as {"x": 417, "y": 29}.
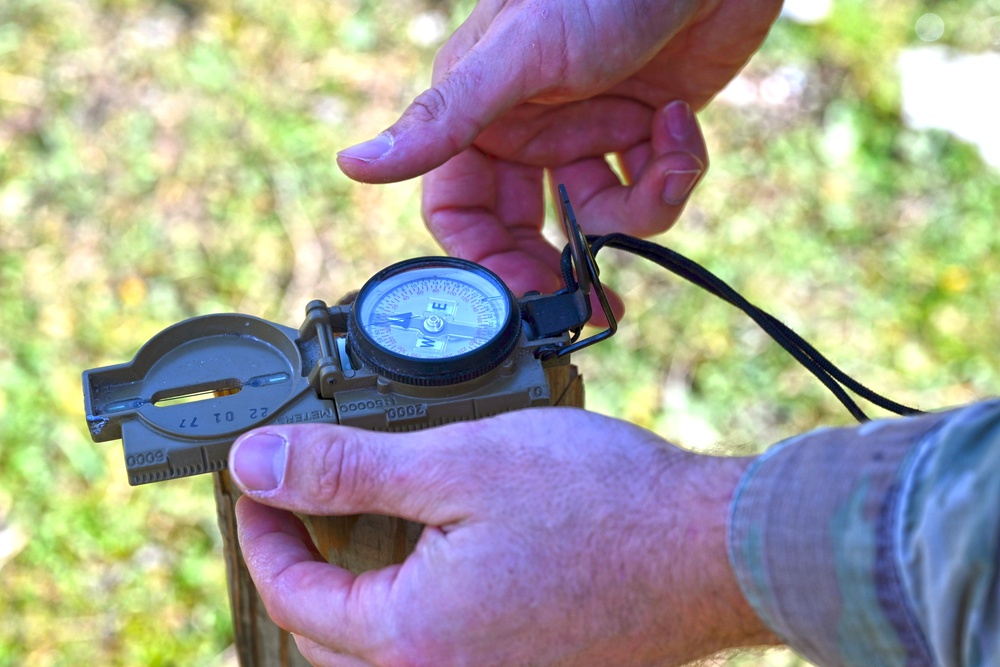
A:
{"x": 162, "y": 159}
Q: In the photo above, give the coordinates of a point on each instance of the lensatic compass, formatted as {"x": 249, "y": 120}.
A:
{"x": 425, "y": 342}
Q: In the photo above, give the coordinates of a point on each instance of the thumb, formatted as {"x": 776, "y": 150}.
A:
{"x": 444, "y": 120}
{"x": 324, "y": 469}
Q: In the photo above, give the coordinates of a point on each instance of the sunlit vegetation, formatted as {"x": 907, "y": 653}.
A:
{"x": 164, "y": 159}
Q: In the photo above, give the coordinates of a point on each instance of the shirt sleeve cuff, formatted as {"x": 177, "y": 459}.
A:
{"x": 811, "y": 541}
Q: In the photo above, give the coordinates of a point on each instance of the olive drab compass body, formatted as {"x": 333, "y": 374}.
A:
{"x": 425, "y": 342}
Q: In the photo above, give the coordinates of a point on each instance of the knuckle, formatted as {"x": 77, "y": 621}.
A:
{"x": 347, "y": 468}
{"x": 282, "y": 595}
{"x": 430, "y": 105}
{"x": 330, "y": 482}
{"x": 272, "y": 595}
{"x": 440, "y": 106}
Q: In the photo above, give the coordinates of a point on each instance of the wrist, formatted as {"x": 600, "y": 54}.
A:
{"x": 718, "y": 612}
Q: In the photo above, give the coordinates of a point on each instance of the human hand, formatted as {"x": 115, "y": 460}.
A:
{"x": 603, "y": 546}
{"x": 529, "y": 85}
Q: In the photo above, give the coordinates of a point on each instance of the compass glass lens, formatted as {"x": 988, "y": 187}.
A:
{"x": 434, "y": 312}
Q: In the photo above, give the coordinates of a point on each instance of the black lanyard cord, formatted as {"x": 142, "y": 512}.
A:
{"x": 825, "y": 371}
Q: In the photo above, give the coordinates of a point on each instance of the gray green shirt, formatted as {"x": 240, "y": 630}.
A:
{"x": 879, "y": 544}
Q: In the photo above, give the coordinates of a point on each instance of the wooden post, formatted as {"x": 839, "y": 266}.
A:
{"x": 357, "y": 543}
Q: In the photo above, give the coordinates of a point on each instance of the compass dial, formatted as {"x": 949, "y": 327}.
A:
{"x": 434, "y": 321}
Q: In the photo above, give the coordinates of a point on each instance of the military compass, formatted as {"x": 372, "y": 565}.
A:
{"x": 424, "y": 342}
{"x": 434, "y": 321}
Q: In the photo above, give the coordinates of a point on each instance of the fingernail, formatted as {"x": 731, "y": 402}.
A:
{"x": 680, "y": 119}
{"x": 370, "y": 150}
{"x": 258, "y": 461}
{"x": 681, "y": 178}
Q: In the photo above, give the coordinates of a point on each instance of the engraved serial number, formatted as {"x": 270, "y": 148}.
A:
{"x": 227, "y": 417}
{"x": 370, "y": 404}
{"x": 406, "y": 411}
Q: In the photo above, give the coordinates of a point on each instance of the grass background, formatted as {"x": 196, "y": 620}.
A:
{"x": 164, "y": 159}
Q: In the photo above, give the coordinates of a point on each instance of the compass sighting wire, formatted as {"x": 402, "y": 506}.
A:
{"x": 832, "y": 377}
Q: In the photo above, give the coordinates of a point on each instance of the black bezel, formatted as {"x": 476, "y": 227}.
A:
{"x": 433, "y": 372}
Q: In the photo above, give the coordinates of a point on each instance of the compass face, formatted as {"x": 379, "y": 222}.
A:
{"x": 434, "y": 319}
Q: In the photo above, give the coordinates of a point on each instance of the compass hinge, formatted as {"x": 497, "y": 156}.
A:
{"x": 327, "y": 371}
